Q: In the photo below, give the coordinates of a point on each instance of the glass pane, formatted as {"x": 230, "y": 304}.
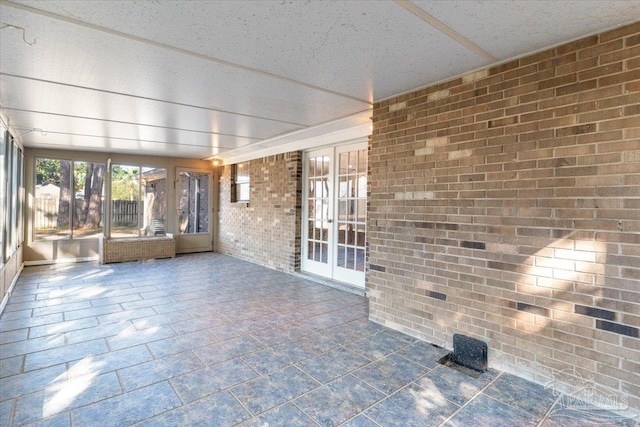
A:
{"x": 324, "y": 183}
{"x": 351, "y": 234}
{"x": 362, "y": 186}
{"x": 312, "y": 208}
{"x": 342, "y": 210}
{"x": 125, "y": 201}
{"x": 310, "y": 250}
{"x": 351, "y": 210}
{"x": 342, "y": 235}
{"x": 88, "y": 184}
{"x": 12, "y": 242}
{"x": 21, "y": 198}
{"x": 312, "y": 167}
{"x": 360, "y": 235}
{"x": 353, "y": 161}
{"x": 317, "y": 252}
{"x": 342, "y": 187}
{"x": 362, "y": 161}
{"x": 344, "y": 163}
{"x": 362, "y": 210}
{"x": 3, "y": 188}
{"x": 325, "y": 165}
{"x": 244, "y": 190}
{"x": 242, "y": 172}
{"x": 324, "y": 232}
{"x": 360, "y": 259}
{"x": 350, "y": 259}
{"x": 154, "y": 193}
{"x": 194, "y": 203}
{"x": 323, "y": 257}
{"x": 341, "y": 256}
{"x": 318, "y": 209}
{"x": 52, "y": 201}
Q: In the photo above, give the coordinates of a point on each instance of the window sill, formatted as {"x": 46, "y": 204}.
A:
{"x": 240, "y": 204}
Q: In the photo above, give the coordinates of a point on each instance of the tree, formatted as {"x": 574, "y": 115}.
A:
{"x": 95, "y": 200}
{"x": 64, "y": 202}
{"x": 88, "y": 173}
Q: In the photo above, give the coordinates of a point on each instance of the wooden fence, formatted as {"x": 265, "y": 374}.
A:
{"x": 124, "y": 212}
{"x": 46, "y": 213}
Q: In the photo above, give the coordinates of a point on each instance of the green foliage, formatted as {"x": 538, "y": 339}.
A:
{"x": 79, "y": 174}
{"x": 124, "y": 182}
{"x": 48, "y": 171}
{"x": 124, "y": 189}
{"x": 119, "y": 172}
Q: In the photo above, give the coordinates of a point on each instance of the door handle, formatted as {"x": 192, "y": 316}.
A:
{"x": 329, "y": 221}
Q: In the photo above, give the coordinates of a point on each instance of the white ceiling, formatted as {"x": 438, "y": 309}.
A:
{"x": 235, "y": 78}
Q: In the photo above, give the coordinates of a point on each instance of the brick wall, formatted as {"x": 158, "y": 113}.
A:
{"x": 267, "y": 230}
{"x": 505, "y": 205}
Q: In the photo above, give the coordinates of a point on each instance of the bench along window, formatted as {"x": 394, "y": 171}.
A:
{"x": 138, "y": 201}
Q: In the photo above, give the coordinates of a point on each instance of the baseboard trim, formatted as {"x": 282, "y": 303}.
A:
{"x": 60, "y": 261}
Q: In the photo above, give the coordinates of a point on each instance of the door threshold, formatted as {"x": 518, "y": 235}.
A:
{"x": 331, "y": 283}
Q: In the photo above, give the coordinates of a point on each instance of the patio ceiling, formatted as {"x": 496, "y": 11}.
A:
{"x": 231, "y": 78}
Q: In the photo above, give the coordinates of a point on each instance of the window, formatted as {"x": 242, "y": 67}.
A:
{"x": 88, "y": 187}
{"x": 11, "y": 194}
{"x": 240, "y": 188}
{"x": 4, "y": 136}
{"x": 138, "y": 201}
{"x": 21, "y": 198}
{"x": 68, "y": 199}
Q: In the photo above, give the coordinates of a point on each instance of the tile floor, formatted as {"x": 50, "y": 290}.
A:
{"x": 210, "y": 340}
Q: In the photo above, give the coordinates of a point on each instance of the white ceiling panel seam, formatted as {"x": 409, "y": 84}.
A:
{"x": 70, "y": 116}
{"x": 45, "y": 132}
{"x": 146, "y": 98}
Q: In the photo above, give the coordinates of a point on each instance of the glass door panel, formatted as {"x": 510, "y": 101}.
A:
{"x": 318, "y": 213}
{"x": 352, "y": 215}
{"x": 193, "y": 190}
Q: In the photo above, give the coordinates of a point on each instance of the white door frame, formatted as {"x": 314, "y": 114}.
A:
{"x": 329, "y": 269}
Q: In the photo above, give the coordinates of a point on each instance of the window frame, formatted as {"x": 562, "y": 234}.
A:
{"x": 72, "y": 230}
{"x": 140, "y": 201}
{"x": 238, "y": 180}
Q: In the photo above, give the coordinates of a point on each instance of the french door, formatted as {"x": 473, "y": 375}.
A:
{"x": 335, "y": 213}
{"x": 193, "y": 190}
